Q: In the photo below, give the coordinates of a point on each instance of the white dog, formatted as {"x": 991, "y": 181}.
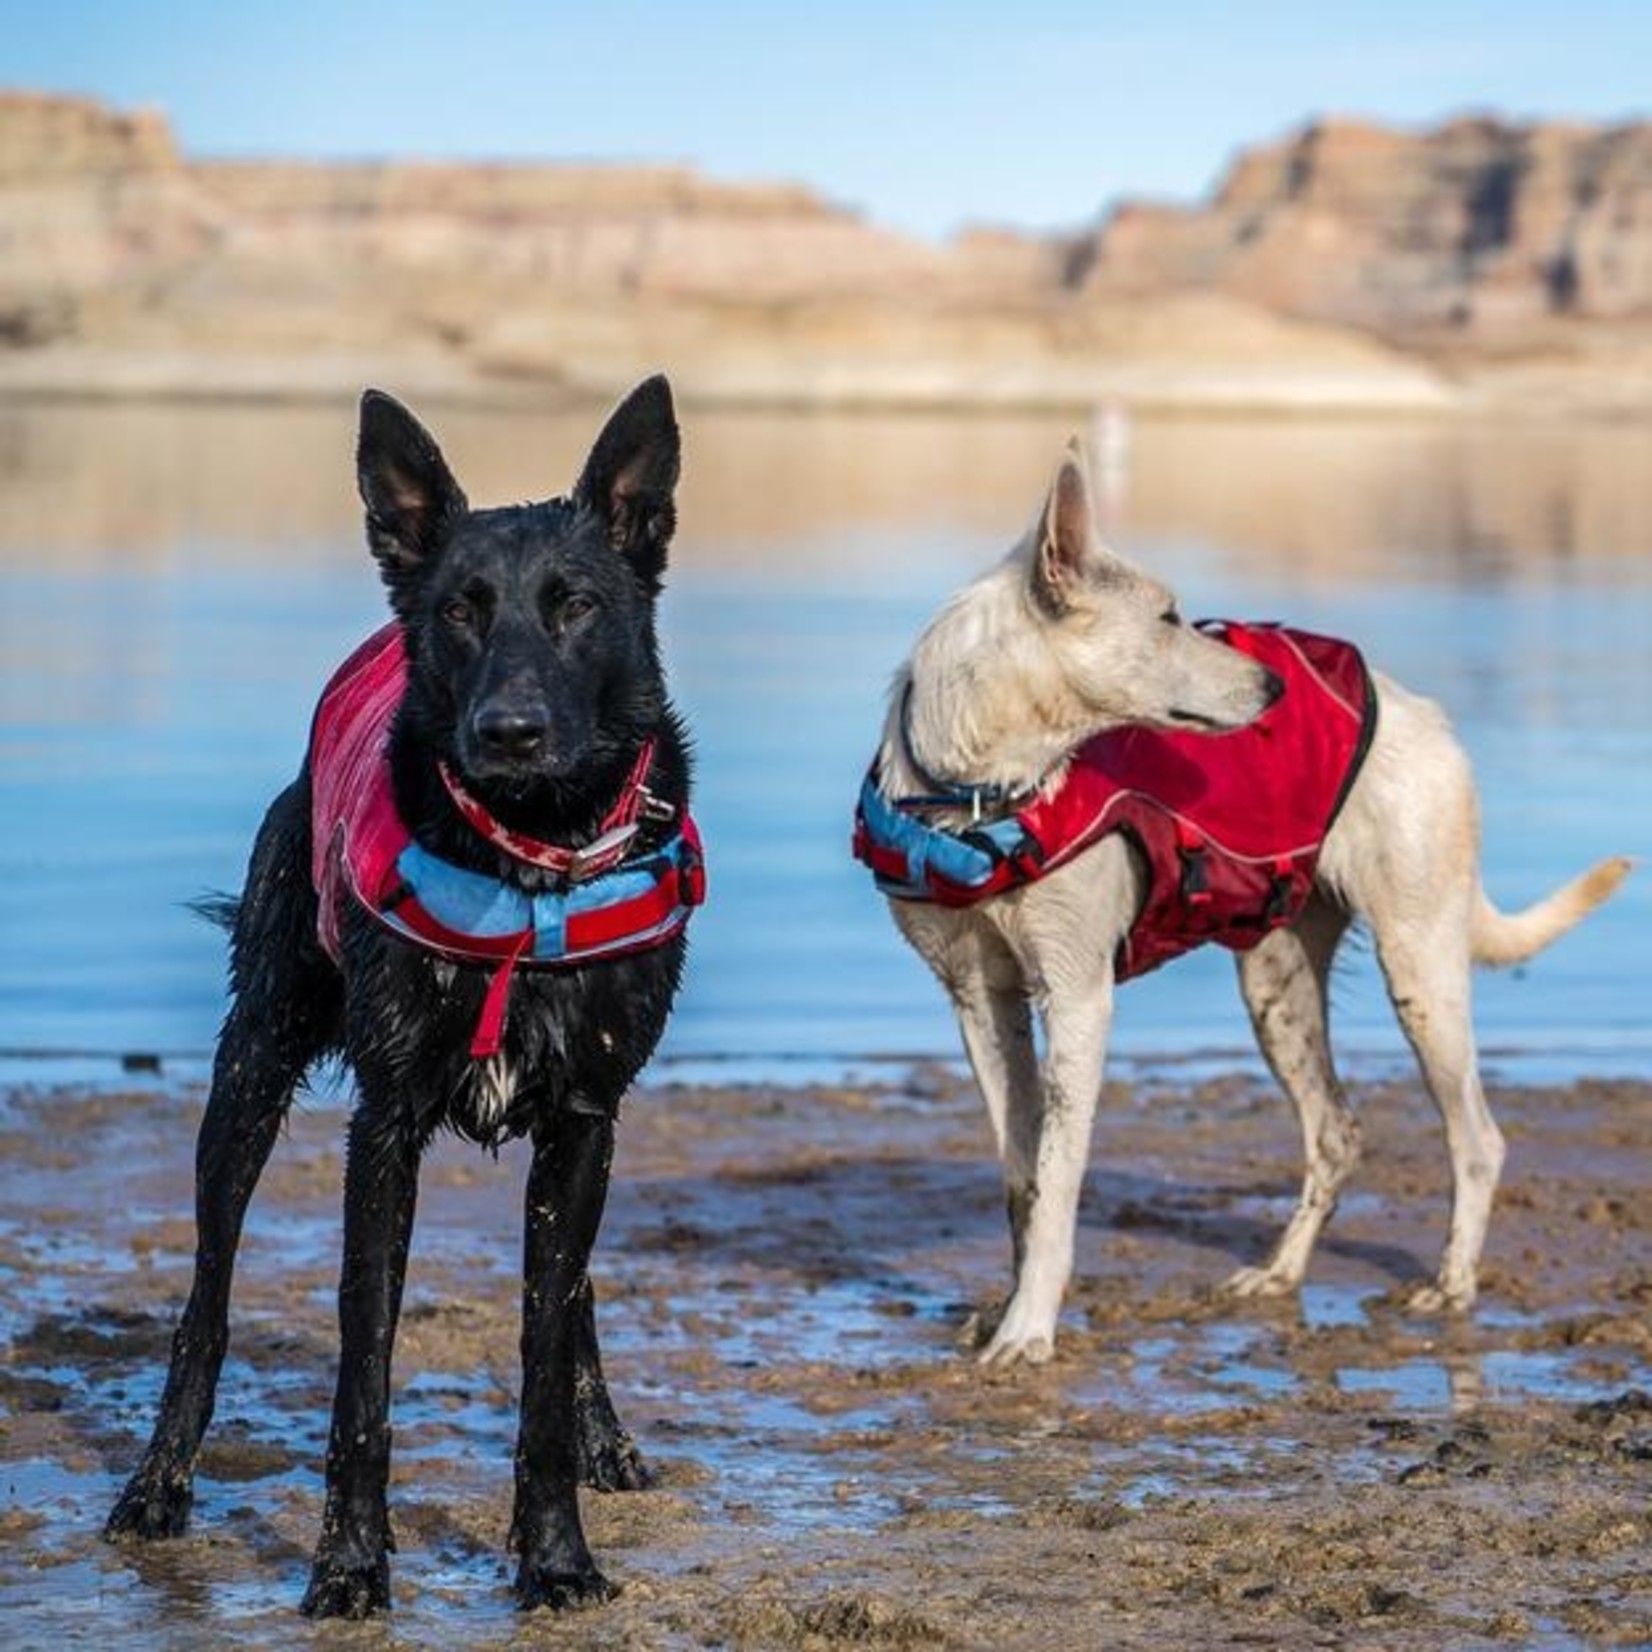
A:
{"x": 1063, "y": 640}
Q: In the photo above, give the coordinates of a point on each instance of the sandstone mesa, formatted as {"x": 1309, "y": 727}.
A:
{"x": 1483, "y": 263}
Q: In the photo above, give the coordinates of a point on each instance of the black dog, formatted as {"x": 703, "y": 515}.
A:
{"x": 532, "y": 716}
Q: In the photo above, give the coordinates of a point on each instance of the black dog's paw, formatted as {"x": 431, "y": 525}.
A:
{"x": 341, "y": 1589}
{"x": 611, "y": 1462}
{"x": 537, "y": 1586}
{"x": 152, "y": 1506}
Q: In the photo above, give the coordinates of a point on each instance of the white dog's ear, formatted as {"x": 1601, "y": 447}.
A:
{"x": 1069, "y": 555}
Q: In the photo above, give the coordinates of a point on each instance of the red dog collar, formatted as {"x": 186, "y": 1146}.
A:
{"x": 602, "y": 854}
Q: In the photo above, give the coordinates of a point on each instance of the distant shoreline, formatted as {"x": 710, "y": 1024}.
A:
{"x": 1406, "y": 389}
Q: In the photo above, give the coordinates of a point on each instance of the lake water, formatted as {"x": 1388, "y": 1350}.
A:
{"x": 176, "y": 584}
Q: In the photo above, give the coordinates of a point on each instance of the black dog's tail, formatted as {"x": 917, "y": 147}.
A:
{"x": 217, "y": 908}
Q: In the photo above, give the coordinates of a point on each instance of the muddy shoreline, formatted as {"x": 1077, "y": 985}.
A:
{"x": 782, "y": 1279}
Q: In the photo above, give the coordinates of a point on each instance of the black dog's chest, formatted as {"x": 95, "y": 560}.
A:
{"x": 574, "y": 1039}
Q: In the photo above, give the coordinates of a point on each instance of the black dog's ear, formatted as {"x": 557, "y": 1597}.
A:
{"x": 631, "y": 477}
{"x": 407, "y": 488}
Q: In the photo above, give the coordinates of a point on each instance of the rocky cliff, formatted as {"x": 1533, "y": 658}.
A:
{"x": 1347, "y": 266}
{"x": 1480, "y": 226}
{"x": 89, "y": 199}
{"x": 92, "y": 200}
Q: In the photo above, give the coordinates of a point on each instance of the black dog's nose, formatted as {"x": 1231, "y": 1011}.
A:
{"x": 510, "y": 731}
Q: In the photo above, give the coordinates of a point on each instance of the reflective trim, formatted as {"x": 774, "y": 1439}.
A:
{"x": 472, "y": 905}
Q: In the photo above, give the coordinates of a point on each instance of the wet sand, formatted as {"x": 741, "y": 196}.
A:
{"x": 782, "y": 1280}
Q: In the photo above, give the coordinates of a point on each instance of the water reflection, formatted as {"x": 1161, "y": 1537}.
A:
{"x": 176, "y": 581}
{"x": 1358, "y": 501}
{"x": 1334, "y": 500}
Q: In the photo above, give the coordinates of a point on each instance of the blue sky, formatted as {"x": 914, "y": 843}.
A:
{"x": 924, "y": 116}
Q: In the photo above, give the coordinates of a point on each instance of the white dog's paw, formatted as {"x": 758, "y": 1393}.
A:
{"x": 1023, "y": 1337}
{"x": 1003, "y": 1352}
{"x": 1259, "y": 1282}
{"x": 1440, "y": 1298}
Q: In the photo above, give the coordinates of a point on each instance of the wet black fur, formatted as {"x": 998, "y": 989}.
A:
{"x": 534, "y": 671}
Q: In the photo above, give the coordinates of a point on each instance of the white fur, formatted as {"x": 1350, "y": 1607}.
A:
{"x": 1064, "y": 639}
{"x": 492, "y": 1088}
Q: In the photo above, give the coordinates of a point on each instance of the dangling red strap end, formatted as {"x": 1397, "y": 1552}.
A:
{"x": 628, "y": 806}
{"x": 490, "y": 1024}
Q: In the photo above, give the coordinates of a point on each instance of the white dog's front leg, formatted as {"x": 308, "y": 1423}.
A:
{"x": 996, "y": 1022}
{"x": 1076, "y": 1025}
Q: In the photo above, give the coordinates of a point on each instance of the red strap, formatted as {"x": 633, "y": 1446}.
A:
{"x": 490, "y": 1024}
{"x": 628, "y": 806}
{"x": 553, "y": 857}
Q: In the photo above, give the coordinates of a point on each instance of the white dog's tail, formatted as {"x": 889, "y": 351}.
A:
{"x": 1512, "y": 937}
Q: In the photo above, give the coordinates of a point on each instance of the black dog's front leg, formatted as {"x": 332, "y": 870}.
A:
{"x": 567, "y": 1187}
{"x": 608, "y": 1456}
{"x": 351, "y": 1575}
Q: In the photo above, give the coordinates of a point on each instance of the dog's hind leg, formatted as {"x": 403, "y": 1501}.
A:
{"x": 1284, "y": 980}
{"x": 608, "y": 1456}
{"x": 567, "y": 1188}
{"x": 284, "y": 1015}
{"x": 1427, "y": 967}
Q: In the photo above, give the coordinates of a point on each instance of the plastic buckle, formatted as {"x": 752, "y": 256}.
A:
{"x": 650, "y": 807}
{"x": 1028, "y": 858}
{"x": 691, "y": 875}
{"x": 601, "y": 854}
{"x": 1195, "y": 884}
{"x": 1277, "y": 911}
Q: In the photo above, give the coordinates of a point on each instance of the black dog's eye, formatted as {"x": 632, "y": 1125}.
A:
{"x": 457, "y": 612}
{"x": 575, "y": 608}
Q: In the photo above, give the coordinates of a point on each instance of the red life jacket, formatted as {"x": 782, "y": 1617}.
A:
{"x": 610, "y": 904}
{"x": 1228, "y": 826}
